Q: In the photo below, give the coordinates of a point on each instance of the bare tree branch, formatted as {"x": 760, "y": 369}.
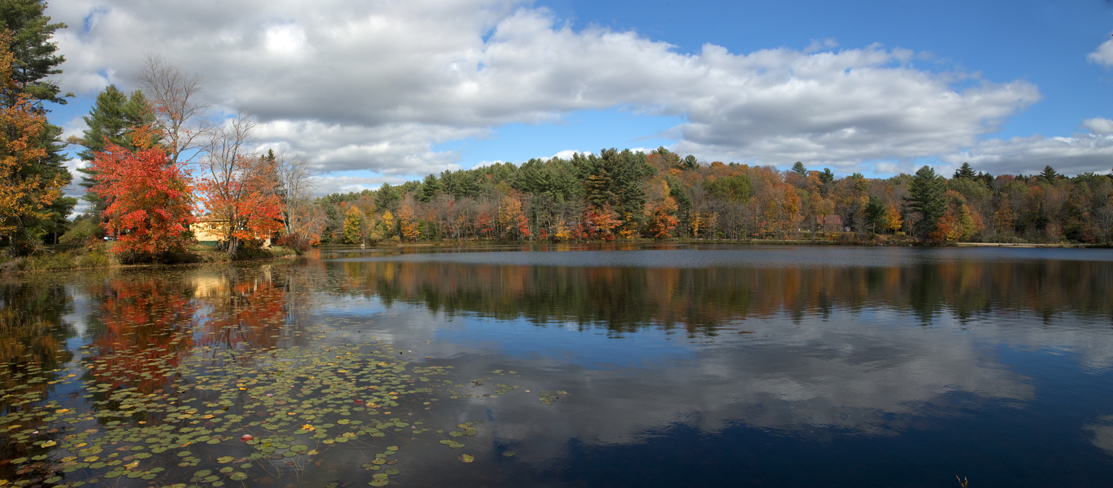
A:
{"x": 173, "y": 95}
{"x": 294, "y": 179}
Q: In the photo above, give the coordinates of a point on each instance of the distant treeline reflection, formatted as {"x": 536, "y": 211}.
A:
{"x": 701, "y": 300}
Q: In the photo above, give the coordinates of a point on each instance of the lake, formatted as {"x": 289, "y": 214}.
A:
{"x": 567, "y": 365}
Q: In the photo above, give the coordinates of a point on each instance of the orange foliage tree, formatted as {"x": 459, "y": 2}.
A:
{"x": 240, "y": 189}
{"x": 663, "y": 221}
{"x": 240, "y": 194}
{"x": 151, "y": 200}
{"x": 25, "y": 193}
{"x": 512, "y": 219}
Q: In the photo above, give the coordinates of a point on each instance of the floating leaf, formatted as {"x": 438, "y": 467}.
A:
{"x": 467, "y": 458}
{"x": 225, "y": 459}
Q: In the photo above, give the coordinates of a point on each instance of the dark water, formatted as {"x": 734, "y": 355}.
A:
{"x": 645, "y": 366}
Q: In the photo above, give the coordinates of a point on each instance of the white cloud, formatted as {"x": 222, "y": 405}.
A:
{"x": 324, "y": 185}
{"x": 1028, "y": 155}
{"x": 817, "y": 46}
{"x": 1098, "y": 125}
{"x": 566, "y": 154}
{"x": 390, "y": 149}
{"x": 376, "y": 85}
{"x": 1103, "y": 55}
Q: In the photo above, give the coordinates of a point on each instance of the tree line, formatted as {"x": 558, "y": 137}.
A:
{"x": 626, "y": 194}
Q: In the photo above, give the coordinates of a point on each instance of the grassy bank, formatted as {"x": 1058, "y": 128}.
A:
{"x": 100, "y": 255}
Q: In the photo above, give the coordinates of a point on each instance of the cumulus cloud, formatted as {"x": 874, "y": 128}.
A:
{"x": 1103, "y": 55}
{"x": 347, "y": 184}
{"x": 376, "y": 85}
{"x": 390, "y": 149}
{"x": 1098, "y": 125}
{"x": 1079, "y": 153}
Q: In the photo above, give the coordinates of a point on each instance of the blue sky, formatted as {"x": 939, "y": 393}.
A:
{"x": 381, "y": 91}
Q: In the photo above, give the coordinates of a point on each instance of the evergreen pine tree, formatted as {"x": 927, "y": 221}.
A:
{"x": 965, "y": 172}
{"x": 34, "y": 59}
{"x": 111, "y": 120}
{"x": 430, "y": 187}
{"x": 926, "y": 199}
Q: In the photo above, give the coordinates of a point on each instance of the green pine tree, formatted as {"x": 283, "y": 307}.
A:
{"x": 111, "y": 120}
{"x": 34, "y": 52}
{"x": 965, "y": 172}
{"x": 430, "y": 187}
{"x": 926, "y": 199}
{"x": 34, "y": 61}
{"x": 875, "y": 213}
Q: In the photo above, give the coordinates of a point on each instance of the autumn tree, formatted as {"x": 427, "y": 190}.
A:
{"x": 239, "y": 188}
{"x": 663, "y": 219}
{"x": 353, "y": 226}
{"x": 113, "y": 119}
{"x": 30, "y": 61}
{"x": 407, "y": 221}
{"x": 151, "y": 201}
{"x": 512, "y": 220}
{"x": 29, "y": 190}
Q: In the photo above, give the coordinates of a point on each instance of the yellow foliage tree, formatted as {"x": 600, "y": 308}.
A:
{"x": 353, "y": 226}
{"x": 893, "y": 222}
{"x": 407, "y": 223}
{"x": 24, "y": 194}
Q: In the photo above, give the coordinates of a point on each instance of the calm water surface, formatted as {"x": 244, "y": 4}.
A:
{"x": 568, "y": 366}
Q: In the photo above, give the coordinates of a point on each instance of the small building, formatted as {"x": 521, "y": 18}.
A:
{"x": 829, "y": 223}
{"x": 208, "y": 230}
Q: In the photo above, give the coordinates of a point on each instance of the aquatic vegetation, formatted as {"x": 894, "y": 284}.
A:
{"x": 220, "y": 415}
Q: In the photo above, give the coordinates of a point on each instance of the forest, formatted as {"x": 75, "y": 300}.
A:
{"x": 626, "y": 194}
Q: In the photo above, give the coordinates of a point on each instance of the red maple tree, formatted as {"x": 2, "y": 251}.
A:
{"x": 151, "y": 200}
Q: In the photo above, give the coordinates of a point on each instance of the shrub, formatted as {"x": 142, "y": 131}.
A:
{"x": 93, "y": 260}
{"x": 84, "y": 230}
{"x": 282, "y": 251}
{"x": 48, "y": 262}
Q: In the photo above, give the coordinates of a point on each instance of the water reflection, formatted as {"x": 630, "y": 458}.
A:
{"x": 701, "y": 299}
{"x": 32, "y": 349}
{"x": 691, "y": 358}
{"x": 144, "y": 330}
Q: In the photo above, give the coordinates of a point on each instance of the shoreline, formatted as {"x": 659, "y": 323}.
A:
{"x": 7, "y": 269}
